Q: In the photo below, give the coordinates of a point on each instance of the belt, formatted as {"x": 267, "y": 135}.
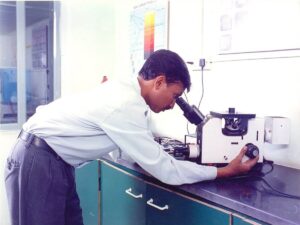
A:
{"x": 36, "y": 141}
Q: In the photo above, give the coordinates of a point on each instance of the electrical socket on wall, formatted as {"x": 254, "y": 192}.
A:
{"x": 202, "y": 62}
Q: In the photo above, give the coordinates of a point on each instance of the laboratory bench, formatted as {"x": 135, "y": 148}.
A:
{"x": 130, "y": 196}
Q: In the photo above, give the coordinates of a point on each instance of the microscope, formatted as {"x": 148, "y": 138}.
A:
{"x": 220, "y": 136}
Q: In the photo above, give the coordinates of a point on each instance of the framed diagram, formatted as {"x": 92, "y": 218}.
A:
{"x": 148, "y": 30}
{"x": 251, "y": 26}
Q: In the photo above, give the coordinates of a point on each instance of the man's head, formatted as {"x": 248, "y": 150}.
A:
{"x": 163, "y": 78}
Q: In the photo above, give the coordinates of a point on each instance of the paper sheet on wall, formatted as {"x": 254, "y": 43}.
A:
{"x": 257, "y": 25}
{"x": 148, "y": 31}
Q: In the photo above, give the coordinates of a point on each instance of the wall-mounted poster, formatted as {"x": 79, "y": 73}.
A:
{"x": 234, "y": 27}
{"x": 148, "y": 30}
{"x": 259, "y": 25}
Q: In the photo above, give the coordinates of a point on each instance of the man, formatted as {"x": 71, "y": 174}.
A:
{"x": 72, "y": 130}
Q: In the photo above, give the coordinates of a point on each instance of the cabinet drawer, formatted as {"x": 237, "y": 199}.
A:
{"x": 122, "y": 197}
{"x": 129, "y": 200}
{"x": 179, "y": 209}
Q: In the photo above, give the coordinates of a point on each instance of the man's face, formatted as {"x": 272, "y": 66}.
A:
{"x": 164, "y": 95}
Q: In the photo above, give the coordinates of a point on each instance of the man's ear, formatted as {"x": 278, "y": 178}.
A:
{"x": 159, "y": 81}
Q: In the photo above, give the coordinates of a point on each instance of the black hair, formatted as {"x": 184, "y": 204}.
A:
{"x": 167, "y": 63}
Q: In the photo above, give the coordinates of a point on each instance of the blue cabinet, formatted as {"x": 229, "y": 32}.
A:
{"x": 87, "y": 185}
{"x": 129, "y": 200}
{"x": 169, "y": 208}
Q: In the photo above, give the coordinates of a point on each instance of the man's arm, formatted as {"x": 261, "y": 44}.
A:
{"x": 236, "y": 166}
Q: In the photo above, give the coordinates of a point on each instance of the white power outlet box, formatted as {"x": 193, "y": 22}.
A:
{"x": 277, "y": 130}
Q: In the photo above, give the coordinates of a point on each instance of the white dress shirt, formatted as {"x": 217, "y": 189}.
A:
{"x": 113, "y": 115}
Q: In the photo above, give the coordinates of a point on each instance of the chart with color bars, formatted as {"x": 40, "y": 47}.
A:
{"x": 148, "y": 31}
{"x": 149, "y": 23}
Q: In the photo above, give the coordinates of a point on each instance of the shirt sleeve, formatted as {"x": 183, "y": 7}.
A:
{"x": 128, "y": 128}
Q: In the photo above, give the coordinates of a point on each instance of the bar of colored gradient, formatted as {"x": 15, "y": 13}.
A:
{"x": 149, "y": 33}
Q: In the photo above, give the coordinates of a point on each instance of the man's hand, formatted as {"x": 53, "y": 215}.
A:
{"x": 236, "y": 166}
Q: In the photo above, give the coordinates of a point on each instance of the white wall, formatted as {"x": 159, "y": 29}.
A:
{"x": 88, "y": 43}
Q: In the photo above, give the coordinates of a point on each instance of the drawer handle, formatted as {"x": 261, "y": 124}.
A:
{"x": 150, "y": 202}
{"x": 129, "y": 192}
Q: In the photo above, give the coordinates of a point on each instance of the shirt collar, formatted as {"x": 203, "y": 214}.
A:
{"x": 137, "y": 88}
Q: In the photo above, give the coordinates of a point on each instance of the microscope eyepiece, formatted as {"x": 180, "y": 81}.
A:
{"x": 192, "y": 113}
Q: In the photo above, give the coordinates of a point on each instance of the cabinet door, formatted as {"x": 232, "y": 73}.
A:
{"x": 168, "y": 208}
{"x": 87, "y": 186}
{"x": 122, "y": 197}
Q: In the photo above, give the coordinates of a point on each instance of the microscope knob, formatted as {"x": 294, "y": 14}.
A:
{"x": 252, "y": 151}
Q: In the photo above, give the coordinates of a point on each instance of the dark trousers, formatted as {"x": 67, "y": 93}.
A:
{"x": 40, "y": 187}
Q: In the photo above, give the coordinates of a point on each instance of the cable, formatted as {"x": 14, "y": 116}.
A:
{"x": 202, "y": 65}
{"x": 202, "y": 85}
{"x": 278, "y": 192}
{"x": 187, "y": 123}
{"x": 266, "y": 162}
{"x": 186, "y": 98}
